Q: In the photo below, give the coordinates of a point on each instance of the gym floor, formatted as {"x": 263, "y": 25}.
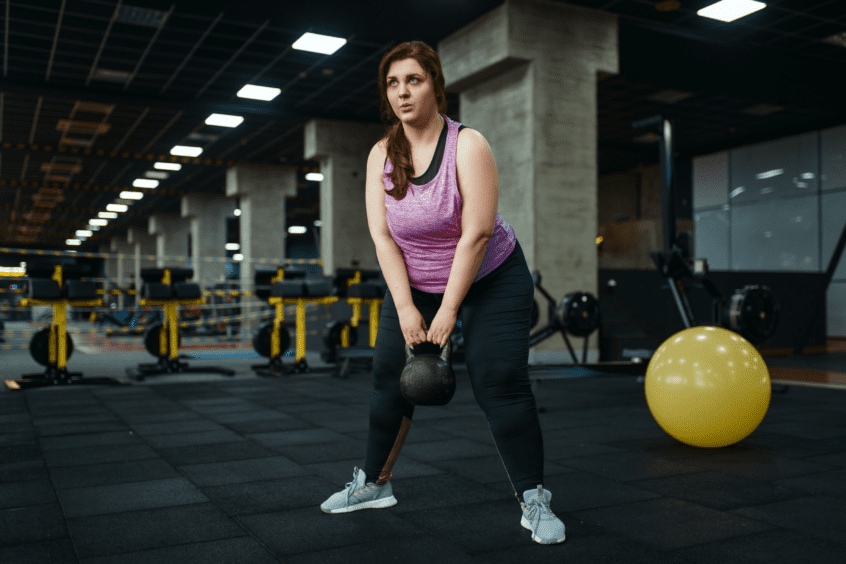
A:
{"x": 197, "y": 468}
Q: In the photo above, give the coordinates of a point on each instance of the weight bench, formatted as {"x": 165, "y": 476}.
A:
{"x": 167, "y": 288}
{"x": 58, "y": 286}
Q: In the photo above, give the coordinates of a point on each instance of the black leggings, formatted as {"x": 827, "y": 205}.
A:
{"x": 495, "y": 321}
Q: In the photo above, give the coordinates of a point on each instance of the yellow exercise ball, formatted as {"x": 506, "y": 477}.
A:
{"x": 708, "y": 387}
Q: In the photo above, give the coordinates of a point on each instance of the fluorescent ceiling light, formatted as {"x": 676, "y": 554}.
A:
{"x": 254, "y": 92}
{"x": 84, "y": 233}
{"x": 224, "y": 120}
{"x": 145, "y": 183}
{"x": 237, "y": 212}
{"x": 73, "y": 242}
{"x": 233, "y": 247}
{"x": 318, "y": 223}
{"x": 107, "y": 215}
{"x": 238, "y": 257}
{"x": 296, "y": 230}
{"x": 100, "y": 222}
{"x": 314, "y": 176}
{"x": 316, "y": 43}
{"x": 168, "y": 166}
{"x": 131, "y": 195}
{"x": 155, "y": 174}
{"x": 117, "y": 207}
{"x": 183, "y": 151}
{"x": 730, "y": 10}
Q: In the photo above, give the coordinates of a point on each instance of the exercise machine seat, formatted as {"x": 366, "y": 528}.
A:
{"x": 186, "y": 291}
{"x": 81, "y": 289}
{"x": 44, "y": 289}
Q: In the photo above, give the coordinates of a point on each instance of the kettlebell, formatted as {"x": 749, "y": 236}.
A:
{"x": 428, "y": 379}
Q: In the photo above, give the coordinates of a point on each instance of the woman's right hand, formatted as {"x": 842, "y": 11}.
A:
{"x": 413, "y": 326}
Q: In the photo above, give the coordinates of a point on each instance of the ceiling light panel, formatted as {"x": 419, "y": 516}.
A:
{"x": 254, "y": 92}
{"x": 316, "y": 43}
{"x": 224, "y": 120}
{"x": 731, "y": 10}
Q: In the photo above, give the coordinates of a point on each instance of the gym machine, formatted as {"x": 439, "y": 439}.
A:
{"x": 59, "y": 287}
{"x": 340, "y": 336}
{"x": 167, "y": 288}
{"x": 287, "y": 286}
{"x": 752, "y": 311}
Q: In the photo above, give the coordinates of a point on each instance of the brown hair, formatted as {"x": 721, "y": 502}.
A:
{"x": 399, "y": 151}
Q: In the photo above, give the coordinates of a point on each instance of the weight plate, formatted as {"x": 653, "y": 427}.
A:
{"x": 151, "y": 339}
{"x": 332, "y": 334}
{"x": 261, "y": 340}
{"x": 39, "y": 346}
{"x": 579, "y": 313}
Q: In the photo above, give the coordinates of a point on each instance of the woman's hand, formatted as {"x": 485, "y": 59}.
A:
{"x": 442, "y": 326}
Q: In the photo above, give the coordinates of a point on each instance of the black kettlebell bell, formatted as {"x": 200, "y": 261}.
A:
{"x": 428, "y": 379}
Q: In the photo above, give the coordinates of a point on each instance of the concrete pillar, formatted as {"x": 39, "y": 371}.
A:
{"x": 124, "y": 265}
{"x": 171, "y": 233}
{"x": 145, "y": 254}
{"x": 261, "y": 191}
{"x": 526, "y": 73}
{"x": 208, "y": 216}
{"x": 342, "y": 147}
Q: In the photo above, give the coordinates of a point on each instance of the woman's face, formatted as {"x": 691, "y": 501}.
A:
{"x": 411, "y": 92}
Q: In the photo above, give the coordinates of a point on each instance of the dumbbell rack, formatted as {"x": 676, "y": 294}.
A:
{"x": 169, "y": 295}
{"x": 59, "y": 294}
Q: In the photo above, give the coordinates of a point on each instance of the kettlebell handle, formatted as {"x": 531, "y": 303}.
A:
{"x": 445, "y": 354}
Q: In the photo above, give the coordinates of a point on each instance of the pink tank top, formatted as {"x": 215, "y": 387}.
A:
{"x": 426, "y": 224}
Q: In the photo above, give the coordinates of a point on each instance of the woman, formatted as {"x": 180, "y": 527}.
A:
{"x": 432, "y": 191}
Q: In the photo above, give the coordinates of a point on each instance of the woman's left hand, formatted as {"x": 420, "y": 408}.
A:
{"x": 442, "y": 326}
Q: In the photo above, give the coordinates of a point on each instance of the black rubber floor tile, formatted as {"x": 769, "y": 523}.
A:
{"x": 447, "y": 450}
{"x": 579, "y": 549}
{"x": 323, "y": 452}
{"x": 25, "y": 470}
{"x": 417, "y": 550}
{"x": 671, "y": 524}
{"x": 220, "y": 452}
{"x": 613, "y": 433}
{"x": 339, "y": 413}
{"x": 220, "y": 405}
{"x": 271, "y": 496}
{"x": 48, "y": 552}
{"x": 58, "y": 421}
{"x": 10, "y": 454}
{"x": 806, "y": 429}
{"x": 719, "y": 491}
{"x": 108, "y": 535}
{"x": 271, "y": 425}
{"x": 24, "y": 494}
{"x": 173, "y": 427}
{"x": 794, "y": 447}
{"x": 297, "y": 437}
{"x": 103, "y": 500}
{"x": 759, "y": 464}
{"x": 191, "y": 439}
{"x": 631, "y": 465}
{"x": 772, "y": 547}
{"x": 817, "y": 516}
{"x": 487, "y": 469}
{"x": 436, "y": 491}
{"x": 242, "y": 550}
{"x": 98, "y": 455}
{"x": 339, "y": 472}
{"x": 833, "y": 459}
{"x": 475, "y": 527}
{"x": 19, "y": 438}
{"x": 32, "y": 524}
{"x": 247, "y": 416}
{"x": 113, "y": 438}
{"x": 831, "y": 483}
{"x": 577, "y": 491}
{"x": 122, "y": 472}
{"x": 12, "y": 416}
{"x": 143, "y": 417}
{"x": 288, "y": 533}
{"x": 241, "y": 471}
{"x": 63, "y": 430}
